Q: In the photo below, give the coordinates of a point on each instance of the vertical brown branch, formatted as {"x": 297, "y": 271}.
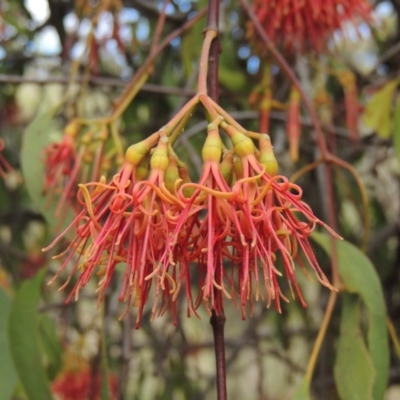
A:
{"x": 212, "y": 23}
{"x": 218, "y": 324}
{"x": 217, "y": 321}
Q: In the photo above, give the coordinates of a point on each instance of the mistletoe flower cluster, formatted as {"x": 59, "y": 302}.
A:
{"x": 239, "y": 232}
{"x": 306, "y": 24}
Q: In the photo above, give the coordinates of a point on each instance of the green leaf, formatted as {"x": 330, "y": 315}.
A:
{"x": 36, "y": 137}
{"x": 24, "y": 339}
{"x": 303, "y": 392}
{"x": 8, "y": 374}
{"x": 396, "y": 130}
{"x": 51, "y": 346}
{"x": 378, "y": 110}
{"x": 359, "y": 277}
{"x": 354, "y": 371}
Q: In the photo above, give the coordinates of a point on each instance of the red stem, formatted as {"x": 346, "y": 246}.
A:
{"x": 212, "y": 23}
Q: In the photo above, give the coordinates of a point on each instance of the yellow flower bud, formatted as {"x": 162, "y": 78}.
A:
{"x": 184, "y": 175}
{"x": 102, "y": 134}
{"x": 87, "y": 138}
{"x": 142, "y": 170}
{"x": 267, "y": 156}
{"x": 87, "y": 157}
{"x": 238, "y": 168}
{"x": 242, "y": 145}
{"x": 212, "y": 149}
{"x": 72, "y": 129}
{"x": 171, "y": 174}
{"x": 135, "y": 153}
{"x": 159, "y": 159}
{"x": 227, "y": 167}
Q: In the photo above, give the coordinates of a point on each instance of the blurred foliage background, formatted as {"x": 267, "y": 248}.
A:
{"x": 49, "y": 347}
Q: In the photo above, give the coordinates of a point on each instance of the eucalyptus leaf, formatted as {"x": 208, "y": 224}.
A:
{"x": 51, "y": 345}
{"x": 359, "y": 277}
{"x": 35, "y": 139}
{"x": 396, "y": 129}
{"x": 24, "y": 339}
{"x": 8, "y": 374}
{"x": 354, "y": 371}
{"x": 377, "y": 114}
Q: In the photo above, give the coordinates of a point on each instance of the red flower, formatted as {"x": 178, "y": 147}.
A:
{"x": 237, "y": 231}
{"x": 71, "y": 161}
{"x": 78, "y": 382}
{"x": 304, "y": 24}
{"x": 249, "y": 225}
{"x": 125, "y": 221}
{"x": 81, "y": 385}
{"x": 61, "y": 167}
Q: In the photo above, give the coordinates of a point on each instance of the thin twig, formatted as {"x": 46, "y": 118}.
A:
{"x": 159, "y": 26}
{"x": 389, "y": 53}
{"x": 101, "y": 81}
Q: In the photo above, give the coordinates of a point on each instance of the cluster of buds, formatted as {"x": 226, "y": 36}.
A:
{"x": 300, "y": 25}
{"x": 82, "y": 155}
{"x": 238, "y": 231}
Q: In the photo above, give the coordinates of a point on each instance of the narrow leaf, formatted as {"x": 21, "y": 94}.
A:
{"x": 377, "y": 112}
{"x": 354, "y": 371}
{"x": 51, "y": 346}
{"x": 8, "y": 374}
{"x": 359, "y": 276}
{"x": 396, "y": 129}
{"x": 24, "y": 339}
